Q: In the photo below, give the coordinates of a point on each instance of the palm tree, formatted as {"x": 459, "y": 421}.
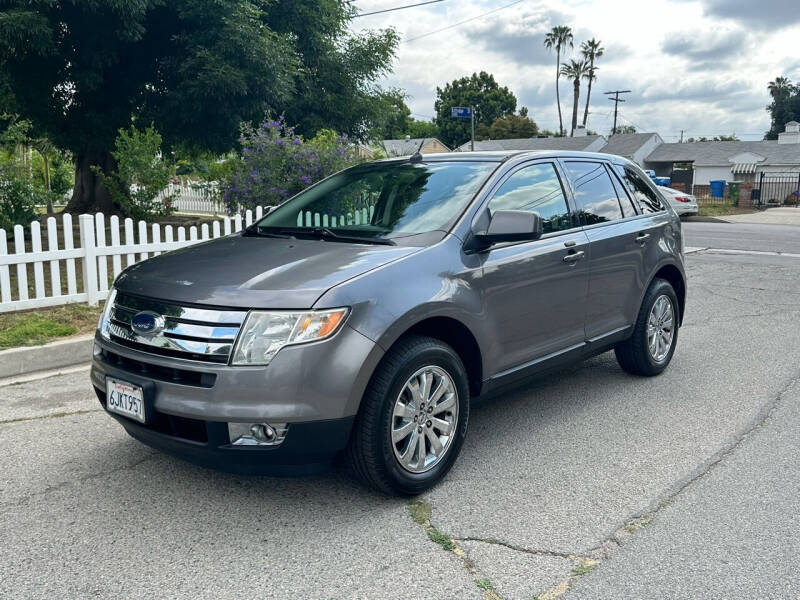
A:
{"x": 779, "y": 87}
{"x": 591, "y": 51}
{"x": 575, "y": 70}
{"x": 559, "y": 38}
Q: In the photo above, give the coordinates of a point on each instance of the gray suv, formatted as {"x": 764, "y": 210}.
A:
{"x": 362, "y": 316}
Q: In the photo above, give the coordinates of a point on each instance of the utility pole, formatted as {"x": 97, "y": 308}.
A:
{"x": 472, "y": 139}
{"x": 616, "y": 100}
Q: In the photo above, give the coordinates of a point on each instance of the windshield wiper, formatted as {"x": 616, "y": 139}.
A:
{"x": 327, "y": 234}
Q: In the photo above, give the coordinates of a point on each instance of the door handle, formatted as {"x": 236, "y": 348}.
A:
{"x": 573, "y": 257}
{"x": 642, "y": 237}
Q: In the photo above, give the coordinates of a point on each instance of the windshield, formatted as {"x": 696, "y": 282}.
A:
{"x": 386, "y": 200}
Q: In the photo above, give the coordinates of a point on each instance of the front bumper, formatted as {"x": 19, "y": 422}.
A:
{"x": 308, "y": 447}
{"x": 315, "y": 388}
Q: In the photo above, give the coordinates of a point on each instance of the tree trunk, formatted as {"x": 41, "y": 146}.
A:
{"x": 558, "y": 95}
{"x": 89, "y": 195}
{"x": 577, "y": 95}
{"x": 588, "y": 93}
{"x": 46, "y": 162}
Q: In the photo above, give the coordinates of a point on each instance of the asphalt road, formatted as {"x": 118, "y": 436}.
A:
{"x": 587, "y": 484}
{"x": 742, "y": 236}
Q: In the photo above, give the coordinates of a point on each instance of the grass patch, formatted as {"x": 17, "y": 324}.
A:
{"x": 485, "y": 584}
{"x": 420, "y": 512}
{"x": 37, "y": 327}
{"x": 584, "y": 567}
{"x": 721, "y": 210}
{"x": 441, "y": 538}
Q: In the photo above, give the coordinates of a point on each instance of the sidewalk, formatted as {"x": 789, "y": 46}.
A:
{"x": 772, "y": 216}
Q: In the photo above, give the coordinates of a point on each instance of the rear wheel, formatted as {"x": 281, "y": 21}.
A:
{"x": 413, "y": 418}
{"x": 655, "y": 334}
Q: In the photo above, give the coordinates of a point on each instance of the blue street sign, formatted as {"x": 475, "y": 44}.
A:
{"x": 461, "y": 112}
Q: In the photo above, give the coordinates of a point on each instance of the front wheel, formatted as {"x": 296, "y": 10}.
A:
{"x": 655, "y": 334}
{"x": 413, "y": 418}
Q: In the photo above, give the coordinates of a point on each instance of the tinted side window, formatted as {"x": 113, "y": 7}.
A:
{"x": 647, "y": 199}
{"x": 536, "y": 188}
{"x": 625, "y": 201}
{"x": 594, "y": 193}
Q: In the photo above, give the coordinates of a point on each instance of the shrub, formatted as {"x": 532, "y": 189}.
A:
{"x": 18, "y": 197}
{"x": 276, "y": 164}
{"x": 140, "y": 176}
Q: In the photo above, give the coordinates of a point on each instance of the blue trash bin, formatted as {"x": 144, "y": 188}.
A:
{"x": 717, "y": 188}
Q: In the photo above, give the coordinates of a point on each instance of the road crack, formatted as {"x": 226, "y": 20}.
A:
{"x": 66, "y": 484}
{"x": 58, "y": 415}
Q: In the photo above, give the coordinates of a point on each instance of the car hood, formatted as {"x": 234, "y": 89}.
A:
{"x": 254, "y": 272}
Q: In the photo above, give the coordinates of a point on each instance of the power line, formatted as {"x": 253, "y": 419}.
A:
{"x": 406, "y": 41}
{"x": 377, "y": 12}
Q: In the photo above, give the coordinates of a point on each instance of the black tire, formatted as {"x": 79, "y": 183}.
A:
{"x": 370, "y": 453}
{"x": 633, "y": 355}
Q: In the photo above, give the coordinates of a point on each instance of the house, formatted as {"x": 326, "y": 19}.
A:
{"x": 409, "y": 146}
{"x": 633, "y": 146}
{"x": 730, "y": 161}
{"x": 586, "y": 143}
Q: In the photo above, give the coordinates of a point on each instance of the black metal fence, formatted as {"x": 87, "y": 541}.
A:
{"x": 777, "y": 189}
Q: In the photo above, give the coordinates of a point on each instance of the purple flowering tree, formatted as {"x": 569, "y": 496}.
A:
{"x": 276, "y": 164}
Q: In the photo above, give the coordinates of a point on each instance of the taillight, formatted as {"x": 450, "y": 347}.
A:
{"x": 681, "y": 199}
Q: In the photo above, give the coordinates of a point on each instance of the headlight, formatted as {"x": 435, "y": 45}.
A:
{"x": 266, "y": 332}
{"x": 105, "y": 316}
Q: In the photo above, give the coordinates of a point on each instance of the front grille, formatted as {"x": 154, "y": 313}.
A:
{"x": 192, "y": 333}
{"x": 153, "y": 371}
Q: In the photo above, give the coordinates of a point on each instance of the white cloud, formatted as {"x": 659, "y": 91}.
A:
{"x": 691, "y": 65}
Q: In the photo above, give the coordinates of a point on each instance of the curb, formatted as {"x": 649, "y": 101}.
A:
{"x": 30, "y": 359}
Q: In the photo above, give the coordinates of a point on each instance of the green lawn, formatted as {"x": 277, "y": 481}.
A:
{"x": 37, "y": 327}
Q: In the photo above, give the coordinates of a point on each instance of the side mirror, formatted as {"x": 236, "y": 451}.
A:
{"x": 512, "y": 226}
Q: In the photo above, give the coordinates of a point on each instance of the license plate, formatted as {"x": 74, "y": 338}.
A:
{"x": 125, "y": 399}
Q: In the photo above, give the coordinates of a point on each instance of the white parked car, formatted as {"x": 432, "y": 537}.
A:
{"x": 683, "y": 203}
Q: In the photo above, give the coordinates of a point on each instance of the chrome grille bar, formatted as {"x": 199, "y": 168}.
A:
{"x": 191, "y": 333}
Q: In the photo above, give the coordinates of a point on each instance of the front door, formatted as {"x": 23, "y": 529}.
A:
{"x": 535, "y": 292}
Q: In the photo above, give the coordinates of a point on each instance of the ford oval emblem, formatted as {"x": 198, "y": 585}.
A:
{"x": 147, "y": 323}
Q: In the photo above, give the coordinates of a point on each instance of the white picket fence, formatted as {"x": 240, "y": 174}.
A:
{"x": 97, "y": 259}
{"x": 193, "y": 199}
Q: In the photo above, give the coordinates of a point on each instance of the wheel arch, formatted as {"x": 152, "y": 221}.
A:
{"x": 455, "y": 334}
{"x": 675, "y": 277}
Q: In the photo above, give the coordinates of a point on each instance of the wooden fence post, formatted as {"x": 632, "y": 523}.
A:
{"x": 86, "y": 225}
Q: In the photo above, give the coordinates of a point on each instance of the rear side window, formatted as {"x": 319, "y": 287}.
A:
{"x": 595, "y": 195}
{"x": 646, "y": 197}
{"x": 535, "y": 188}
{"x": 625, "y": 201}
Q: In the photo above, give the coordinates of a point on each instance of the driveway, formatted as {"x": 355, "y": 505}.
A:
{"x": 586, "y": 484}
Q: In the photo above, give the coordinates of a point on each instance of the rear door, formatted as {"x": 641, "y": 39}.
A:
{"x": 535, "y": 292}
{"x": 616, "y": 246}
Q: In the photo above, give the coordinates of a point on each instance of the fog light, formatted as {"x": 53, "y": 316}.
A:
{"x": 257, "y": 434}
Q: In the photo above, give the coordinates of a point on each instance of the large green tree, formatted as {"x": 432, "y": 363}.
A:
{"x": 785, "y": 105}
{"x": 80, "y": 71}
{"x": 508, "y": 127}
{"x": 479, "y": 90}
{"x": 336, "y": 86}
{"x": 394, "y": 120}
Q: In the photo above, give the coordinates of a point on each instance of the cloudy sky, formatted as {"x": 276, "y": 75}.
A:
{"x": 701, "y": 66}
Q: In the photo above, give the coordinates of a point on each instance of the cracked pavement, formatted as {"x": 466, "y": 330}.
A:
{"x": 586, "y": 484}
